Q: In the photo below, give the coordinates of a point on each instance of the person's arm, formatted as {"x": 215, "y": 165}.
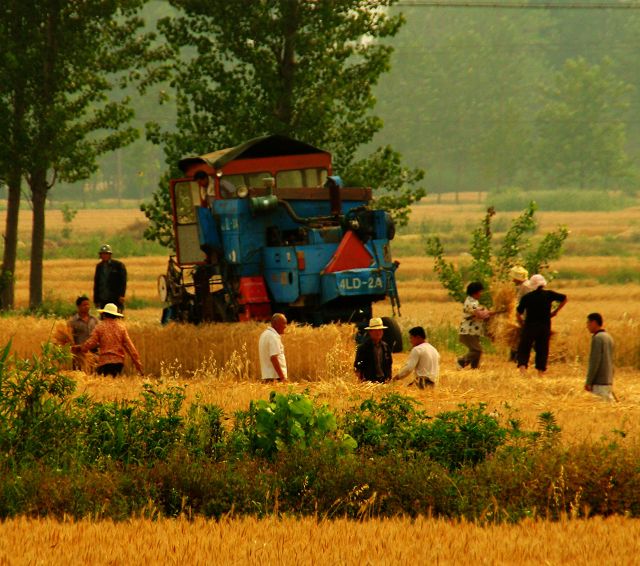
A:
{"x": 563, "y": 302}
{"x": 95, "y": 288}
{"x": 90, "y": 343}
{"x": 276, "y": 365}
{"x": 409, "y": 366}
{"x": 359, "y": 362}
{"x": 123, "y": 283}
{"x": 595, "y": 359}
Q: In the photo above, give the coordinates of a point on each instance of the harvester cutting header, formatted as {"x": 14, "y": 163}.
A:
{"x": 266, "y": 227}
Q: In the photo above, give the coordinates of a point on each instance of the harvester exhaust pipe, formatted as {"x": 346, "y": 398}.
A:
{"x": 335, "y": 184}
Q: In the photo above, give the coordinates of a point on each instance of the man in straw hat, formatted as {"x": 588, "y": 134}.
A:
{"x": 536, "y": 330}
{"x": 113, "y": 342}
{"x": 519, "y": 275}
{"x": 373, "y": 356}
{"x": 600, "y": 372}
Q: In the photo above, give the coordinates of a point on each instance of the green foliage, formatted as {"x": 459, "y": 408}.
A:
{"x": 308, "y": 74}
{"x": 581, "y": 128}
{"x": 488, "y": 265}
{"x": 452, "y": 439}
{"x": 286, "y": 421}
{"x": 35, "y": 420}
{"x": 68, "y": 214}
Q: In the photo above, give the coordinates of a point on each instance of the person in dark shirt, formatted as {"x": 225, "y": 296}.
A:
{"x": 373, "y": 356}
{"x": 537, "y": 308}
{"x": 109, "y": 280}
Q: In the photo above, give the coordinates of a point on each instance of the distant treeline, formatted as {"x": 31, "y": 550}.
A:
{"x": 490, "y": 98}
{"x": 481, "y": 99}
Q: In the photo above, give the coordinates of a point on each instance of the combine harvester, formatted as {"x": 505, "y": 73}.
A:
{"x": 265, "y": 227}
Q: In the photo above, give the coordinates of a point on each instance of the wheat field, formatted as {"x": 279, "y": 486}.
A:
{"x": 218, "y": 364}
{"x": 287, "y": 541}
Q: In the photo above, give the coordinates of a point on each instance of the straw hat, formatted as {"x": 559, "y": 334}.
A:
{"x": 375, "y": 324}
{"x": 536, "y": 281}
{"x": 111, "y": 309}
{"x": 518, "y": 273}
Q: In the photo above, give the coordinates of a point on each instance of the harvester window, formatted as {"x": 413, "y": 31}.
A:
{"x": 187, "y": 196}
{"x": 289, "y": 179}
{"x": 315, "y": 177}
{"x": 256, "y": 179}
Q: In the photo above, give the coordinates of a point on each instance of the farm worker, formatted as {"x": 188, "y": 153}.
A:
{"x": 109, "y": 280}
{"x": 113, "y": 342}
{"x": 81, "y": 324}
{"x": 519, "y": 276}
{"x": 373, "y": 357}
{"x": 273, "y": 364}
{"x": 474, "y": 318}
{"x": 600, "y": 372}
{"x": 424, "y": 359}
{"x": 536, "y": 330}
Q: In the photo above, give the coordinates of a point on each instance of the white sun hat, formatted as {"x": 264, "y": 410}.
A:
{"x": 111, "y": 309}
{"x": 536, "y": 281}
{"x": 375, "y": 324}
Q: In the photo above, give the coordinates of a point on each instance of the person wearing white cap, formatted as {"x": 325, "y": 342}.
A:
{"x": 113, "y": 342}
{"x": 535, "y": 312}
{"x": 373, "y": 357}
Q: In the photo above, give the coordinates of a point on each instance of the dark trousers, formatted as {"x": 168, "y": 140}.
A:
{"x": 534, "y": 335}
{"x": 110, "y": 369}
{"x": 473, "y": 344}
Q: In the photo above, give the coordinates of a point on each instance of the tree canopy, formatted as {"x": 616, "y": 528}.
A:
{"x": 59, "y": 78}
{"x": 303, "y": 69}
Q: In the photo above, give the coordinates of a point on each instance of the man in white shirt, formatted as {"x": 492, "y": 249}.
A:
{"x": 424, "y": 359}
{"x": 273, "y": 364}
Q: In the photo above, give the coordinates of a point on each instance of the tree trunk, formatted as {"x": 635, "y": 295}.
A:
{"x": 7, "y": 277}
{"x": 39, "y": 189}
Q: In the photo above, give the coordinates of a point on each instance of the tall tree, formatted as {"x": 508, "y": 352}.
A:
{"x": 303, "y": 69}
{"x": 581, "y": 127}
{"x": 69, "y": 55}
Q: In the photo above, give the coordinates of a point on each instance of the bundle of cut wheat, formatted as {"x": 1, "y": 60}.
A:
{"x": 502, "y": 328}
{"x": 62, "y": 336}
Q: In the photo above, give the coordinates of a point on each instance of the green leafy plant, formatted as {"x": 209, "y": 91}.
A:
{"x": 285, "y": 421}
{"x": 490, "y": 265}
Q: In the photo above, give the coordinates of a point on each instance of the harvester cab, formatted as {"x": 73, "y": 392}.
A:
{"x": 266, "y": 227}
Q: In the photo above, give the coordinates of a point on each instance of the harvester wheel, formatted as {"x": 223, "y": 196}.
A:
{"x": 393, "y": 334}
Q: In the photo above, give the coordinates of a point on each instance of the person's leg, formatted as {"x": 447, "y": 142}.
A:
{"x": 542, "y": 336}
{"x": 472, "y": 357}
{"x": 524, "y": 348}
{"x": 605, "y": 392}
{"x": 110, "y": 369}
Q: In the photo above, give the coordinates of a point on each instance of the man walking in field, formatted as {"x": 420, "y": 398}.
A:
{"x": 424, "y": 359}
{"x": 273, "y": 364}
{"x": 109, "y": 280}
{"x": 535, "y": 313}
{"x": 600, "y": 371}
{"x": 81, "y": 326}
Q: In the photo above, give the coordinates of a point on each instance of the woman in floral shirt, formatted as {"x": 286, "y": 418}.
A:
{"x": 474, "y": 316}
{"x": 113, "y": 342}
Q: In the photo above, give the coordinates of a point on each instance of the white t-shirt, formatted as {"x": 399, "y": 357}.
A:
{"x": 425, "y": 360}
{"x": 270, "y": 344}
